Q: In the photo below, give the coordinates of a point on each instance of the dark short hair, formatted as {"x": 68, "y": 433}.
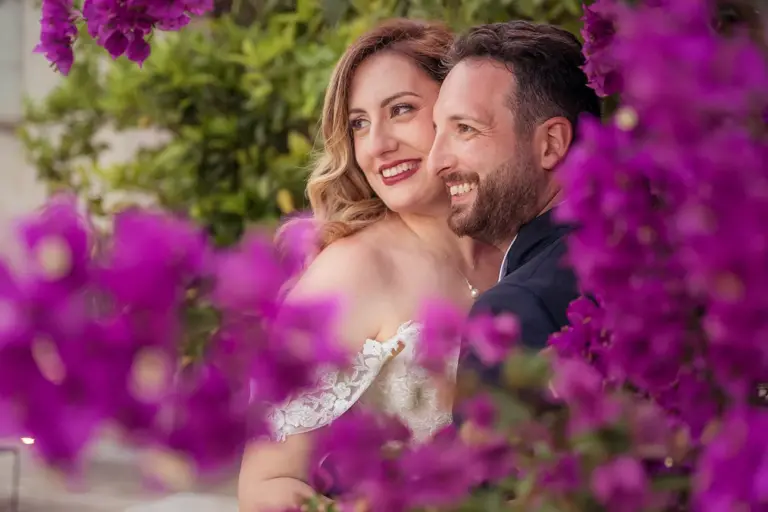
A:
{"x": 546, "y": 62}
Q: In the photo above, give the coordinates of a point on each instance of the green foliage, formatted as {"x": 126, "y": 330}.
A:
{"x": 235, "y": 104}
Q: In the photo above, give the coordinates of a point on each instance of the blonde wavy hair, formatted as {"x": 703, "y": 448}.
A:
{"x": 342, "y": 201}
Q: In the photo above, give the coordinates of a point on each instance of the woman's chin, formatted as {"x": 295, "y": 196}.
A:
{"x": 438, "y": 206}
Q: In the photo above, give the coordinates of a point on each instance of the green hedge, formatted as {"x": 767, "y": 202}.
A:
{"x": 237, "y": 98}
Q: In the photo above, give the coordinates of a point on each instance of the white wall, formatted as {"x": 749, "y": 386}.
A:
{"x": 21, "y": 72}
{"x": 24, "y": 73}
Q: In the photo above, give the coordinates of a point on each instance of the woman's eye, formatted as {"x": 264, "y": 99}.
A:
{"x": 358, "y": 124}
{"x": 401, "y": 109}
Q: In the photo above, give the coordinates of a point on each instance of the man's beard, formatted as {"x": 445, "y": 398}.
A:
{"x": 505, "y": 200}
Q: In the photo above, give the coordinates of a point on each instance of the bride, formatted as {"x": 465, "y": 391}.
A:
{"x": 386, "y": 249}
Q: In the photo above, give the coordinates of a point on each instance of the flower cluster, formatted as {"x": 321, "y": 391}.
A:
{"x": 90, "y": 335}
{"x": 377, "y": 468}
{"x": 122, "y": 27}
{"x": 668, "y": 244}
{"x": 490, "y": 337}
{"x": 588, "y": 448}
{"x": 598, "y": 32}
{"x": 58, "y": 31}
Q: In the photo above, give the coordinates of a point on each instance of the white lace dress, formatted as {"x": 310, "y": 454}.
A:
{"x": 385, "y": 375}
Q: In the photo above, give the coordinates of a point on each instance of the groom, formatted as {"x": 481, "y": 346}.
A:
{"x": 505, "y": 119}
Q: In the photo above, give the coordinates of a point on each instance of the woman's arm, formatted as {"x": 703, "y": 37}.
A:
{"x": 274, "y": 475}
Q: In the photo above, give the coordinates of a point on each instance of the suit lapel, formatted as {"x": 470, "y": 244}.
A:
{"x": 532, "y": 239}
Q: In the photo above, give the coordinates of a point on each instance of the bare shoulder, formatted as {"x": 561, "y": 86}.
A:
{"x": 351, "y": 265}
{"x": 351, "y": 272}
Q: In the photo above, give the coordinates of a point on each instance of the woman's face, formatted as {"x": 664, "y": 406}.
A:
{"x": 390, "y": 117}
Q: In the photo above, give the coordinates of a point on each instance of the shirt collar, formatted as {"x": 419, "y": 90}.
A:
{"x": 531, "y": 239}
{"x": 504, "y": 260}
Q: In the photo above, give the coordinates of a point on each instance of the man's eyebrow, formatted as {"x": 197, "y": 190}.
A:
{"x": 386, "y": 101}
{"x": 466, "y": 117}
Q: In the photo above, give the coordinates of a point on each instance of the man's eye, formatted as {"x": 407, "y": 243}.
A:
{"x": 464, "y": 128}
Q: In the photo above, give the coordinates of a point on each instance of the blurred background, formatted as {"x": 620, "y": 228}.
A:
{"x": 220, "y": 122}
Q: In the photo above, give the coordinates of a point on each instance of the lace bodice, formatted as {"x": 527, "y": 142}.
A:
{"x": 384, "y": 375}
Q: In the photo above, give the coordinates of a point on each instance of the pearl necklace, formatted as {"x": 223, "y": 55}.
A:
{"x": 473, "y": 292}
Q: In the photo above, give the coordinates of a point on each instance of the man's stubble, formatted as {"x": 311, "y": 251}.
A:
{"x": 505, "y": 200}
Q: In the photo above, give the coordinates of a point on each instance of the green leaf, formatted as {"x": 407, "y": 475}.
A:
{"x": 234, "y": 203}
{"x": 526, "y": 369}
{"x": 334, "y": 11}
{"x": 298, "y": 144}
{"x": 671, "y": 482}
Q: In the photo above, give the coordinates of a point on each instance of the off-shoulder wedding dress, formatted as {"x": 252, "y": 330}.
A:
{"x": 384, "y": 375}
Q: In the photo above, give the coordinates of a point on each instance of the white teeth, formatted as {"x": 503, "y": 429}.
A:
{"x": 399, "y": 169}
{"x": 463, "y": 188}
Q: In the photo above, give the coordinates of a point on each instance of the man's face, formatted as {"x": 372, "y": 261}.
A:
{"x": 488, "y": 166}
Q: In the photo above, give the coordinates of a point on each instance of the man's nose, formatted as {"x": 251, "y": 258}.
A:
{"x": 440, "y": 159}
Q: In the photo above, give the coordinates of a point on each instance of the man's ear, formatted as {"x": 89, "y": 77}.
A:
{"x": 553, "y": 139}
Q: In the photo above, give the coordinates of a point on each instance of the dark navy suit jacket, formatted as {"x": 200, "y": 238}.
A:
{"x": 536, "y": 286}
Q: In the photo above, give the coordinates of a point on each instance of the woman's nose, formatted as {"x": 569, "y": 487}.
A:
{"x": 381, "y": 140}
